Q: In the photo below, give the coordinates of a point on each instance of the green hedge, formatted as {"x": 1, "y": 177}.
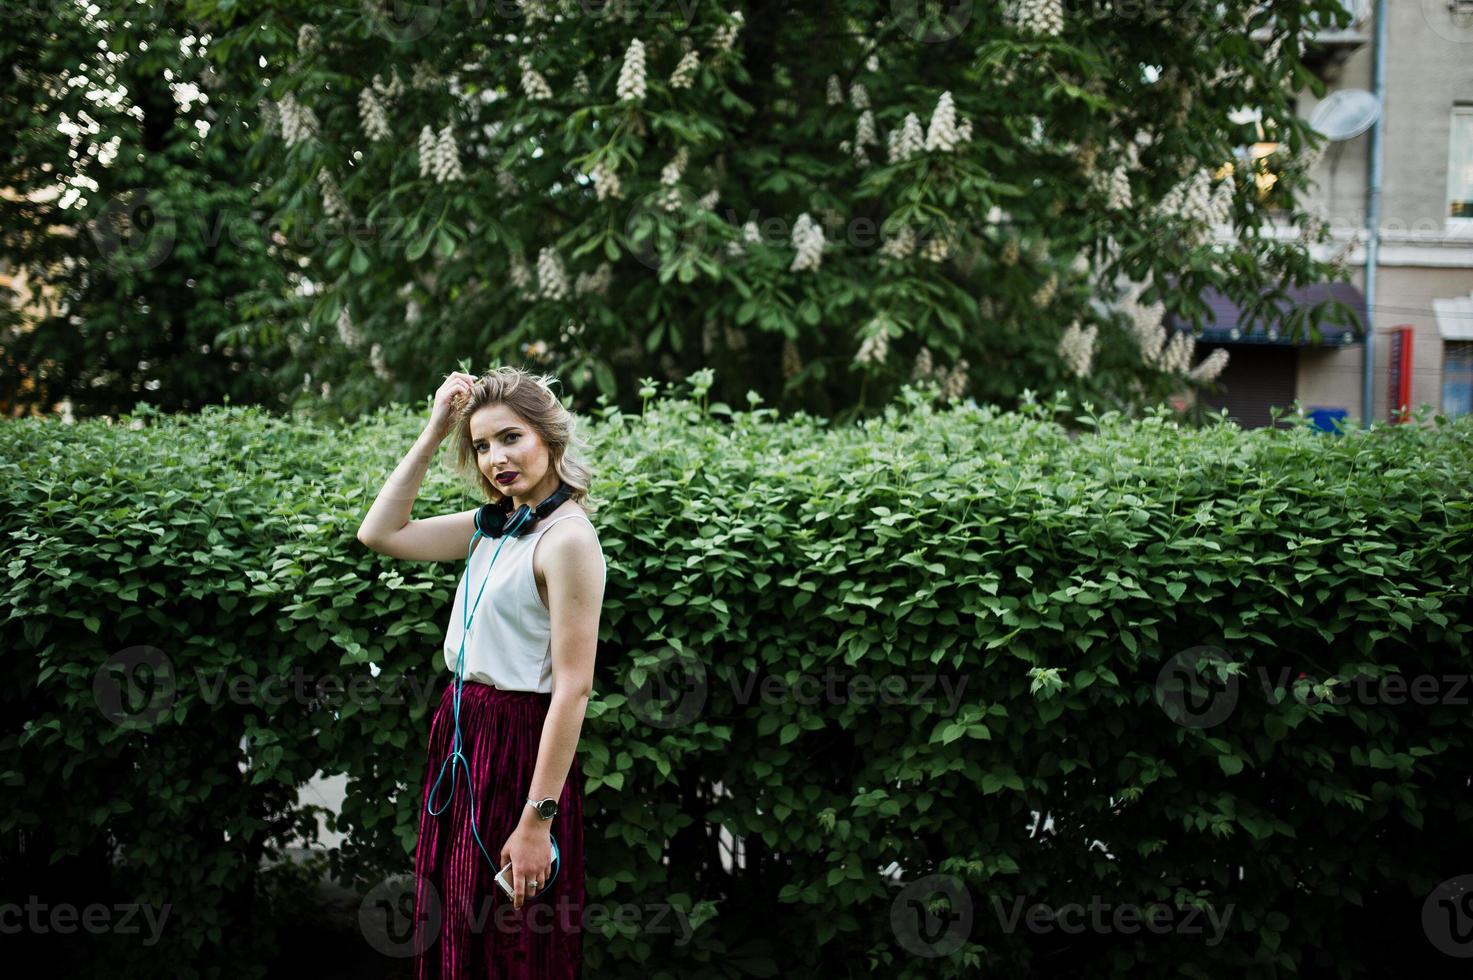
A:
{"x": 1047, "y": 588}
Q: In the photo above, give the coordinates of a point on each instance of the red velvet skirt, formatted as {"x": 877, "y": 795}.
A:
{"x": 465, "y": 926}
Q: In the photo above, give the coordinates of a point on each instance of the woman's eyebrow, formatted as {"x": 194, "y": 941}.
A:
{"x": 509, "y": 428}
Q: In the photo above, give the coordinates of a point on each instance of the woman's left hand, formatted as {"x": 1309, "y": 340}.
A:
{"x": 530, "y": 852}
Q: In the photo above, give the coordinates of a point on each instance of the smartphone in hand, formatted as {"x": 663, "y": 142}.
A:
{"x": 503, "y": 878}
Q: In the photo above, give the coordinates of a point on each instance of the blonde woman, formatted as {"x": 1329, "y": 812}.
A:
{"x": 503, "y": 789}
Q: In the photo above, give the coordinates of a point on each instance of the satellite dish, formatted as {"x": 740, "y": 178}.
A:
{"x": 1346, "y": 114}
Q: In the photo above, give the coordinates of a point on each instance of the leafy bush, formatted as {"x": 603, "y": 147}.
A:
{"x": 1051, "y": 600}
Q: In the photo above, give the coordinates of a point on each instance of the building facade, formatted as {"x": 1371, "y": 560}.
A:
{"x": 1422, "y": 305}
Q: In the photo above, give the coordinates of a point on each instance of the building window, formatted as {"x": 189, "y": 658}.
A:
{"x": 1457, "y": 377}
{"x": 1460, "y": 166}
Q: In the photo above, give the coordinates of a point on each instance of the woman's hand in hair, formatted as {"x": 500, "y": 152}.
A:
{"x": 452, "y": 395}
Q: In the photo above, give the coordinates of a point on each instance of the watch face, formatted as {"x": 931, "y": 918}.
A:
{"x": 547, "y": 809}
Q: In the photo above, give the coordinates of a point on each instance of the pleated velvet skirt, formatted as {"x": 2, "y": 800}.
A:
{"x": 465, "y": 926}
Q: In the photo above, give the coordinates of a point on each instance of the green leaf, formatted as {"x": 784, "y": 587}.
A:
{"x": 420, "y": 246}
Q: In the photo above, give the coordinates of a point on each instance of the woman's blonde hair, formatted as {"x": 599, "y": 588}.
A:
{"x": 531, "y": 398}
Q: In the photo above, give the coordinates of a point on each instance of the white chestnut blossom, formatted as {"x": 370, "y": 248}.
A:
{"x": 1077, "y": 348}
{"x": 631, "y": 85}
{"x": 808, "y": 240}
{"x": 427, "y": 149}
{"x": 309, "y": 40}
{"x": 1044, "y": 17}
{"x": 907, "y": 141}
{"x": 537, "y": 11}
{"x": 942, "y": 135}
{"x": 725, "y": 35}
{"x": 858, "y": 97}
{"x": 605, "y": 182}
{"x": 1211, "y": 366}
{"x": 1342, "y": 254}
{"x": 333, "y": 203}
{"x": 955, "y": 384}
{"x": 899, "y": 246}
{"x": 446, "y": 157}
{"x": 875, "y": 347}
{"x": 1146, "y": 323}
{"x": 506, "y": 182}
{"x": 872, "y": 63}
{"x": 834, "y": 94}
{"x": 391, "y": 90}
{"x": 936, "y": 249}
{"x": 439, "y": 155}
{"x": 376, "y": 361}
{"x": 1220, "y": 207}
{"x": 684, "y": 75}
{"x": 425, "y": 77}
{"x": 580, "y": 84}
{"x": 1116, "y": 187}
{"x": 864, "y": 130}
{"x": 596, "y": 282}
{"x": 709, "y": 199}
{"x": 923, "y": 367}
{"x": 552, "y": 281}
{"x": 521, "y": 276}
{"x": 347, "y": 333}
{"x": 534, "y": 86}
{"x": 373, "y": 115}
{"x": 1177, "y": 357}
{"x": 751, "y": 235}
{"x": 672, "y": 171}
{"x": 298, "y": 122}
{"x": 1130, "y": 153}
{"x": 1194, "y": 199}
{"x": 1046, "y": 292}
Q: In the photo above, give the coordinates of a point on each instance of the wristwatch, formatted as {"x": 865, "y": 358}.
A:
{"x": 546, "y": 809}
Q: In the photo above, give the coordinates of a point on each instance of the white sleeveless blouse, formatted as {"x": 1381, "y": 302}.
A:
{"x": 510, "y": 640}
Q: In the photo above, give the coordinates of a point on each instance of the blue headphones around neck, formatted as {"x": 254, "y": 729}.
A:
{"x": 496, "y": 520}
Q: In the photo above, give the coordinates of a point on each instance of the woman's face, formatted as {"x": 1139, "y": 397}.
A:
{"x": 504, "y": 445}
